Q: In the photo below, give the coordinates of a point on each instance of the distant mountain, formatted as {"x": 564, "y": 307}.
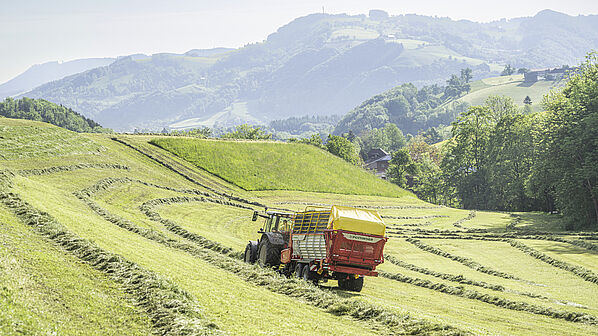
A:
{"x": 319, "y": 64}
{"x": 47, "y": 72}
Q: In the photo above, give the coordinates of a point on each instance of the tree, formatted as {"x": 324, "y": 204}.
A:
{"x": 400, "y": 166}
{"x": 571, "y": 153}
{"x": 510, "y": 154}
{"x": 431, "y": 136}
{"x": 466, "y": 75}
{"x": 508, "y": 70}
{"x": 389, "y": 138}
{"x": 246, "y": 131}
{"x": 342, "y": 148}
{"x": 464, "y": 162}
{"x": 500, "y": 106}
{"x": 522, "y": 70}
{"x": 527, "y": 100}
{"x": 314, "y": 140}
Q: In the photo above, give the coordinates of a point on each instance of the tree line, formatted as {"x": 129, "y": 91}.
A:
{"x": 43, "y": 110}
{"x": 501, "y": 157}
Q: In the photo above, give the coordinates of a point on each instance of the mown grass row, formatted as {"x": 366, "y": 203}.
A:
{"x": 364, "y": 206}
{"x": 172, "y": 311}
{"x": 581, "y": 272}
{"x": 458, "y": 278}
{"x": 187, "y": 177}
{"x": 58, "y": 169}
{"x": 229, "y": 260}
{"x": 462, "y": 260}
{"x": 493, "y": 300}
{"x": 413, "y": 217}
{"x": 458, "y": 223}
{"x": 109, "y": 182}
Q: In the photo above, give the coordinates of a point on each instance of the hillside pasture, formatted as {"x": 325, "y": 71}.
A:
{"x": 181, "y": 230}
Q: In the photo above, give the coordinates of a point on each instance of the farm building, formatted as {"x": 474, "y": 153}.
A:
{"x": 377, "y": 161}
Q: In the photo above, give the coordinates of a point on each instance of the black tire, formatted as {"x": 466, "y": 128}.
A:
{"x": 251, "y": 252}
{"x": 355, "y": 285}
{"x": 298, "y": 270}
{"x": 342, "y": 284}
{"x": 268, "y": 254}
{"x": 306, "y": 273}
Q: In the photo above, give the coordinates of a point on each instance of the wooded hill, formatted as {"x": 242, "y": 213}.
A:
{"x": 42, "y": 110}
{"x": 316, "y": 65}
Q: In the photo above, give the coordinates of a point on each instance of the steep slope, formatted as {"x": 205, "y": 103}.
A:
{"x": 162, "y": 231}
{"x": 278, "y": 166}
{"x": 316, "y": 65}
{"x": 42, "y": 73}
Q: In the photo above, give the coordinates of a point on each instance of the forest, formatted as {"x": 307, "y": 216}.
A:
{"x": 501, "y": 158}
{"x": 43, "y": 110}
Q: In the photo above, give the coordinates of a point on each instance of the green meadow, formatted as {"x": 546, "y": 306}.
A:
{"x": 138, "y": 235}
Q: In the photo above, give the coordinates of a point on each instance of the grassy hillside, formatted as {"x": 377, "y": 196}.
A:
{"x": 278, "y": 166}
{"x": 131, "y": 239}
{"x": 511, "y": 86}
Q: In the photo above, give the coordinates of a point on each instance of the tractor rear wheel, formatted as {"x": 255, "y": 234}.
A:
{"x": 268, "y": 254}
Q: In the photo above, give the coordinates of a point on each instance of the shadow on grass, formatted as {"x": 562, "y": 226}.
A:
{"x": 539, "y": 221}
{"x": 568, "y": 249}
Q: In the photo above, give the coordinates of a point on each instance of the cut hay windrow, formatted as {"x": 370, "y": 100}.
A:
{"x": 458, "y": 278}
{"x": 581, "y": 272}
{"x": 203, "y": 184}
{"x": 109, "y": 182}
{"x": 462, "y": 260}
{"x": 413, "y": 217}
{"x": 494, "y": 300}
{"x": 229, "y": 260}
{"x": 172, "y": 310}
{"x": 152, "y": 234}
{"x": 364, "y": 206}
{"x": 58, "y": 169}
{"x": 458, "y": 223}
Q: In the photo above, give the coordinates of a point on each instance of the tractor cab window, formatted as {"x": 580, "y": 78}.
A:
{"x": 267, "y": 224}
{"x": 285, "y": 225}
{"x": 275, "y": 222}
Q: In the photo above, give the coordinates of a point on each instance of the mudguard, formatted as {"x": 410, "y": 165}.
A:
{"x": 275, "y": 238}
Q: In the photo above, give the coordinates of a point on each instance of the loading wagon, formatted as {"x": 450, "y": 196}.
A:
{"x": 340, "y": 243}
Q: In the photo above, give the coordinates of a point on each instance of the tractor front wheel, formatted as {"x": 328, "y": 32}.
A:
{"x": 251, "y": 252}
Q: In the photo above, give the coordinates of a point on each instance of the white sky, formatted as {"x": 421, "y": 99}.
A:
{"x": 38, "y": 31}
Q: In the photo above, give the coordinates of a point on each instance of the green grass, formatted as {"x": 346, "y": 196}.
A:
{"x": 45, "y": 288}
{"x": 23, "y": 139}
{"x": 278, "y": 166}
{"x": 511, "y": 86}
